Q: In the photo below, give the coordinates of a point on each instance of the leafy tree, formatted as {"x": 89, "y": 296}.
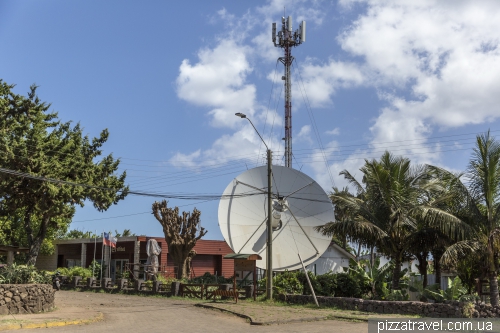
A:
{"x": 478, "y": 205}
{"x": 78, "y": 234}
{"x": 125, "y": 233}
{"x": 42, "y": 159}
{"x": 181, "y": 234}
{"x": 386, "y": 209}
{"x": 12, "y": 232}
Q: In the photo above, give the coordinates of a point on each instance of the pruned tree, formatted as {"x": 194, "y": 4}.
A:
{"x": 181, "y": 234}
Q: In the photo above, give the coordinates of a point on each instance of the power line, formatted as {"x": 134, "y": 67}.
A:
{"x": 182, "y": 196}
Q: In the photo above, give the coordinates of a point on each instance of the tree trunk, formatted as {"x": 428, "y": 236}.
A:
{"x": 189, "y": 258}
{"x": 372, "y": 255}
{"x": 492, "y": 274}
{"x": 35, "y": 243}
{"x": 179, "y": 256}
{"x": 396, "y": 272}
{"x": 437, "y": 254}
{"x": 422, "y": 266}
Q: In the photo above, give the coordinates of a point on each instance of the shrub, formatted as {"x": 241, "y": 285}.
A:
{"x": 287, "y": 283}
{"x": 305, "y": 286}
{"x": 328, "y": 284}
{"x": 76, "y": 271}
{"x": 208, "y": 278}
{"x": 23, "y": 274}
{"x": 165, "y": 280}
{"x": 398, "y": 295}
{"x": 347, "y": 286}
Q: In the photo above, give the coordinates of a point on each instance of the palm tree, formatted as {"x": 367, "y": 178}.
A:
{"x": 385, "y": 212}
{"x": 477, "y": 204}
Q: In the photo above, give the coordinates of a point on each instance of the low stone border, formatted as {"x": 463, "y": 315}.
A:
{"x": 434, "y": 310}
{"x": 448, "y": 309}
{"x": 26, "y": 298}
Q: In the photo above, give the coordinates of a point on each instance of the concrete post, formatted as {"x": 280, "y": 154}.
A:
{"x": 249, "y": 291}
{"x": 91, "y": 282}
{"x": 123, "y": 283}
{"x": 137, "y": 252}
{"x": 138, "y": 286}
{"x": 76, "y": 280}
{"x": 156, "y": 286}
{"x": 175, "y": 288}
{"x": 83, "y": 256}
{"x": 106, "y": 283}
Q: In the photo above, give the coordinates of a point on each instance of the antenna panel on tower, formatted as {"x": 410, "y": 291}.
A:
{"x": 289, "y": 22}
{"x": 274, "y": 32}
{"x": 303, "y": 32}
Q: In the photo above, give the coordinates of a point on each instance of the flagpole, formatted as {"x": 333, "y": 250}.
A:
{"x": 95, "y": 246}
{"x": 102, "y": 255}
{"x": 109, "y": 264}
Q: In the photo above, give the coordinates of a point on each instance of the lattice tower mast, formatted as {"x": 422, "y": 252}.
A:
{"x": 287, "y": 38}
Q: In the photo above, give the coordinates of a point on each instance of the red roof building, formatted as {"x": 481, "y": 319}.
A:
{"x": 132, "y": 250}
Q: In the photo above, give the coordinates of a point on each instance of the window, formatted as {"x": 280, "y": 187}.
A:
{"x": 70, "y": 263}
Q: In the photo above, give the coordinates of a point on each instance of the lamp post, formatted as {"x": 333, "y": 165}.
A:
{"x": 269, "y": 250}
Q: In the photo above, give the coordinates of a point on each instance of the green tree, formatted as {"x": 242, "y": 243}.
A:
{"x": 478, "y": 205}
{"x": 386, "y": 209}
{"x": 125, "y": 233}
{"x": 78, "y": 234}
{"x": 41, "y": 161}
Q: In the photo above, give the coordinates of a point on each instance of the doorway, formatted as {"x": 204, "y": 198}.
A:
{"x": 118, "y": 267}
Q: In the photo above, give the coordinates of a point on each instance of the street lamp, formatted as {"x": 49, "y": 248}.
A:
{"x": 269, "y": 259}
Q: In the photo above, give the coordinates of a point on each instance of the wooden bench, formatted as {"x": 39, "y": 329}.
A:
{"x": 226, "y": 293}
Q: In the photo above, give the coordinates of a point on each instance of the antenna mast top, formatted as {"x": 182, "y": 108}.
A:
{"x": 286, "y": 38}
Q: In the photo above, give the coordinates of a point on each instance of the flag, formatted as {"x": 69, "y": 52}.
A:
{"x": 107, "y": 240}
{"x": 113, "y": 241}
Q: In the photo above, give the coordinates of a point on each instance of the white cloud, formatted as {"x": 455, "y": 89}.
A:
{"x": 218, "y": 81}
{"x": 243, "y": 144}
{"x": 185, "y": 160}
{"x": 446, "y": 54}
{"x": 335, "y": 131}
{"x": 322, "y": 80}
{"x": 304, "y": 134}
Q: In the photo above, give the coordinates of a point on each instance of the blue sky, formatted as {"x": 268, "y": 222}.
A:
{"x": 417, "y": 78}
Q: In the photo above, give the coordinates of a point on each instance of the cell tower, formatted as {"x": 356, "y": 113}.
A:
{"x": 286, "y": 40}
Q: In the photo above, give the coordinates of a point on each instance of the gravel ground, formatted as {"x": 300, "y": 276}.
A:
{"x": 125, "y": 312}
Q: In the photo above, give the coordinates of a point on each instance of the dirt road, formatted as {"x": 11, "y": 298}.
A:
{"x": 123, "y": 313}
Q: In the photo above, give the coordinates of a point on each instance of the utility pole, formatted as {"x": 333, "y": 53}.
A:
{"x": 286, "y": 40}
{"x": 269, "y": 224}
{"x": 269, "y": 249}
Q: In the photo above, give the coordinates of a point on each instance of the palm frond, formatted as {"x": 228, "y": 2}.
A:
{"x": 459, "y": 250}
{"x": 447, "y": 223}
{"x": 350, "y": 178}
{"x": 363, "y": 231}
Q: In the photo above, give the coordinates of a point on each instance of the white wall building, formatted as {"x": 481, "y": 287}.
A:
{"x": 333, "y": 260}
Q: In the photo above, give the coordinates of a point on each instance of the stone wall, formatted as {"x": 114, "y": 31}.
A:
{"x": 434, "y": 310}
{"x": 26, "y": 298}
{"x": 485, "y": 311}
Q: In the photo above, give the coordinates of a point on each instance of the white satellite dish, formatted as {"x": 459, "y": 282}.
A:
{"x": 299, "y": 205}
